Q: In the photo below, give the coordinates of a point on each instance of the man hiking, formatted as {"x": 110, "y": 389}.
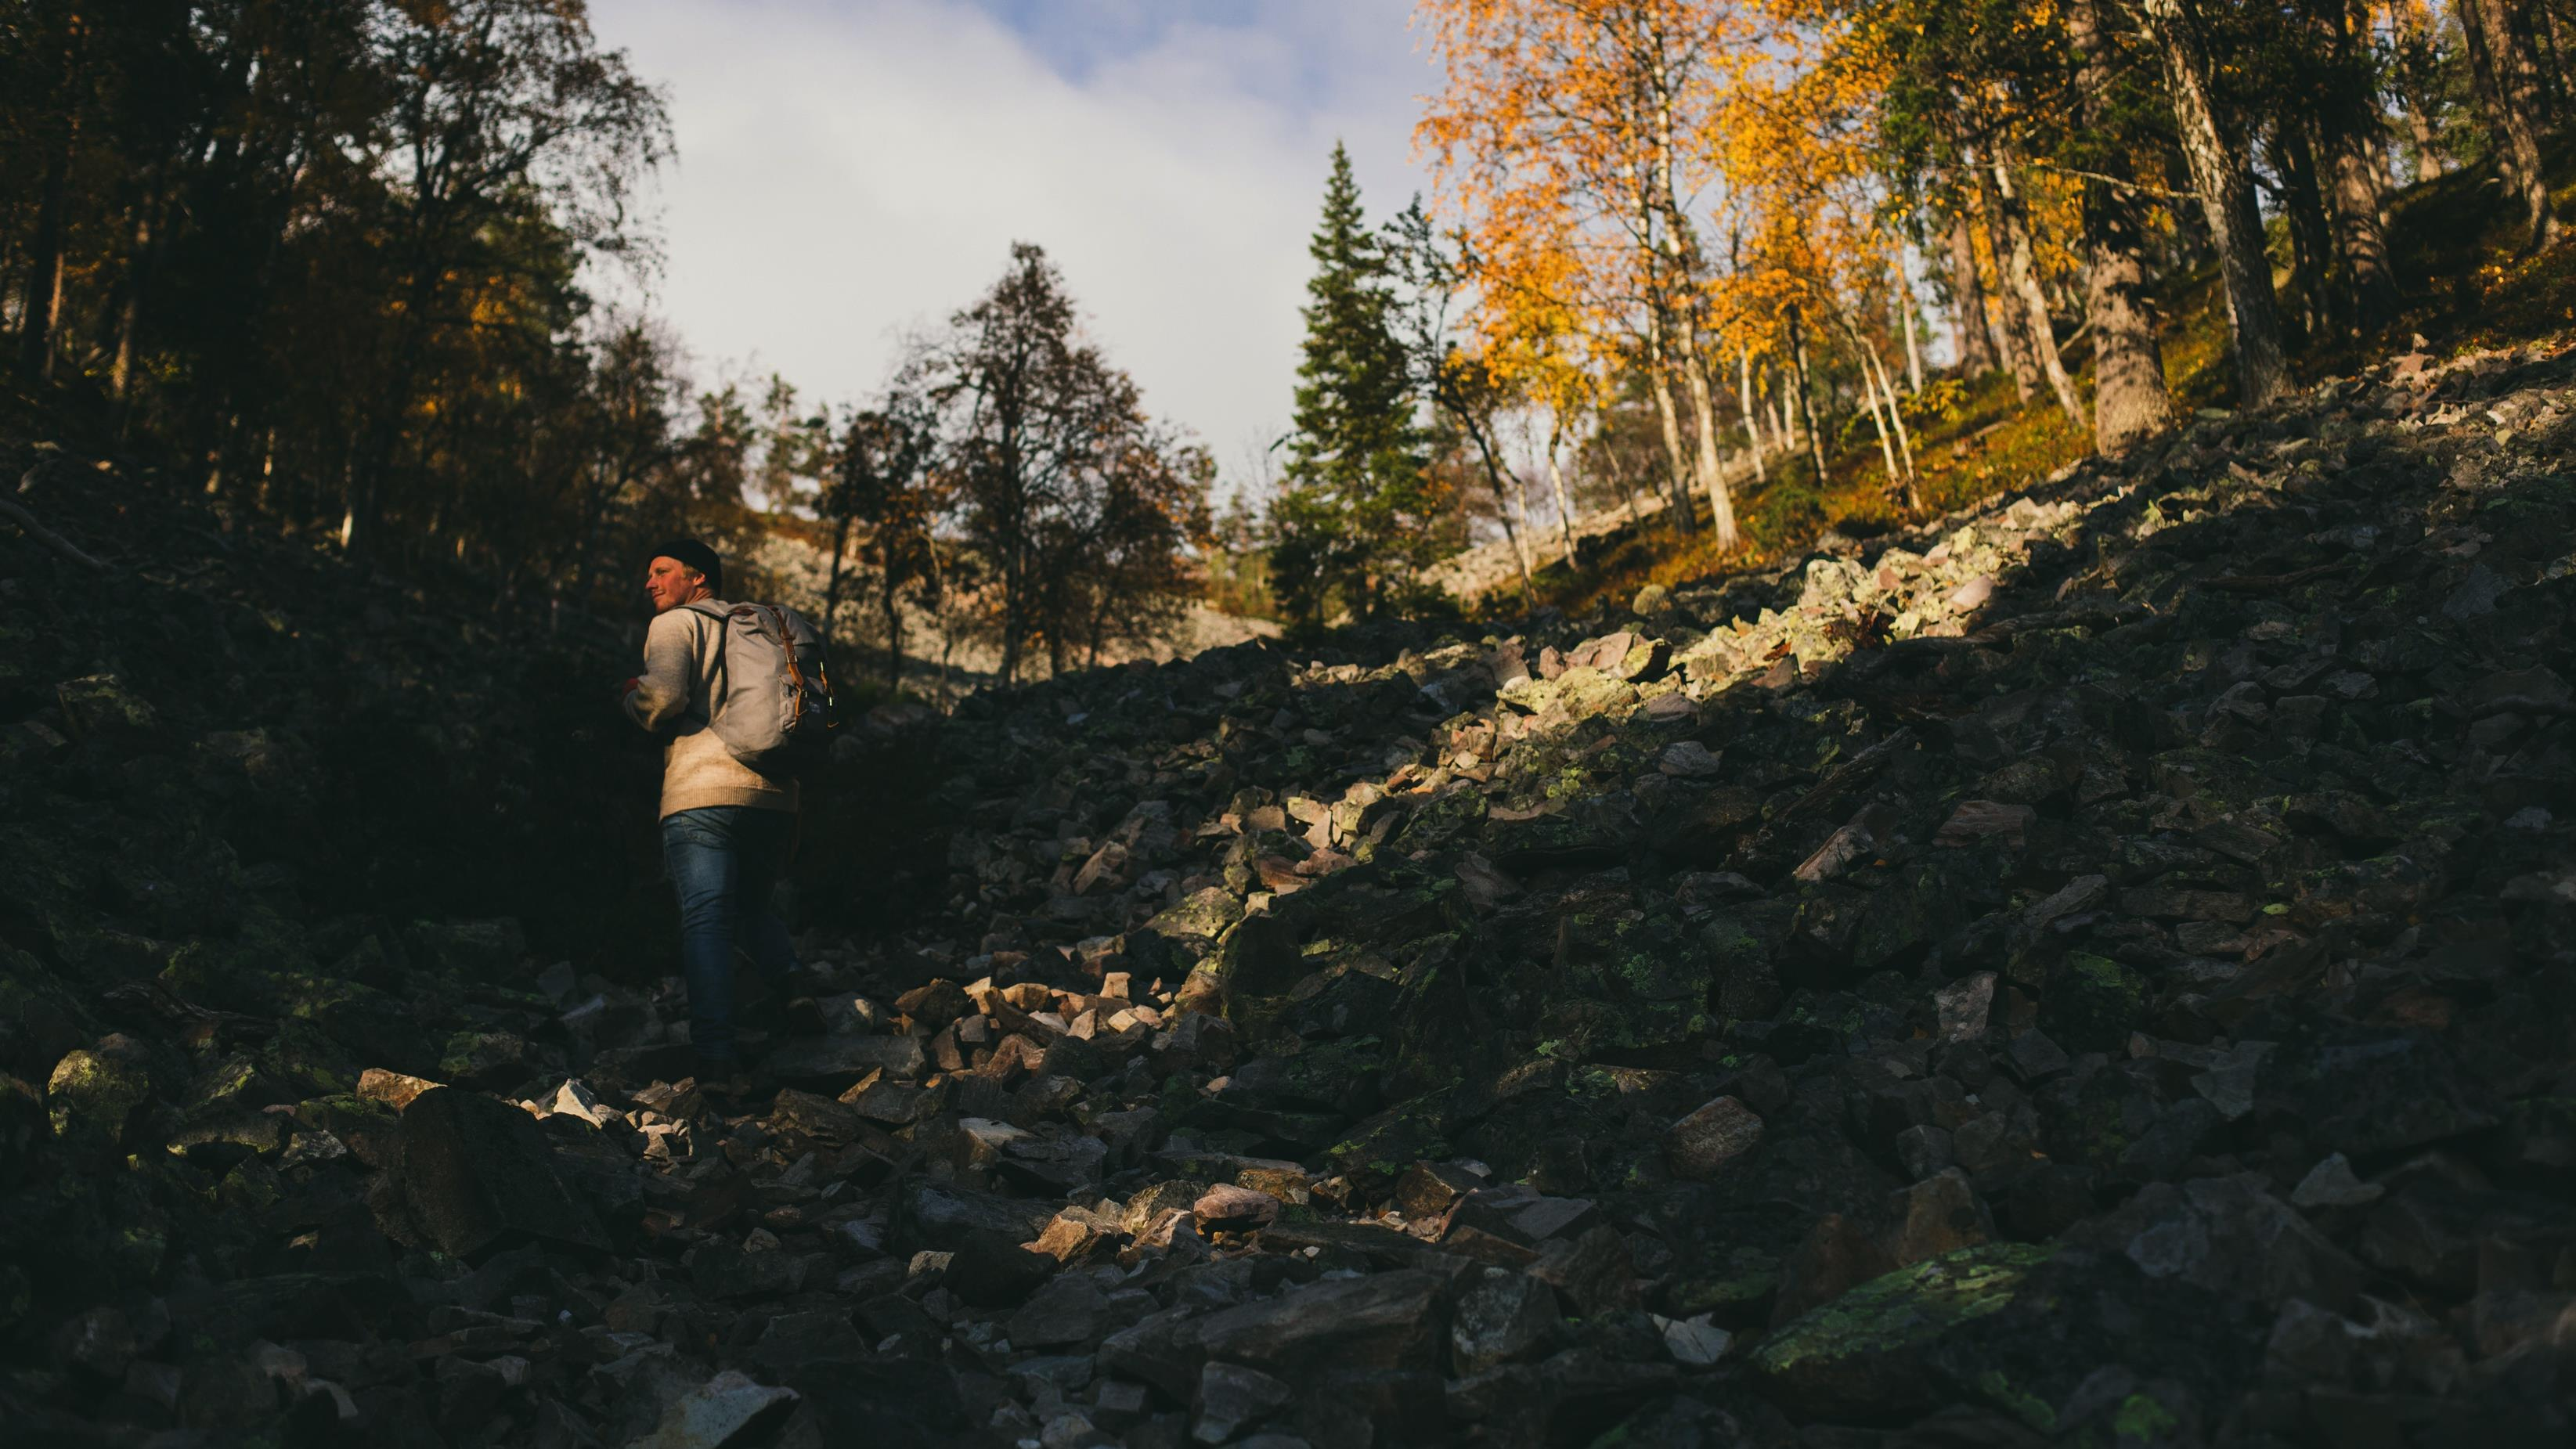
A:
{"x": 727, "y": 828}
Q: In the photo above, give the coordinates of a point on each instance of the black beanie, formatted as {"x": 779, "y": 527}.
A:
{"x": 697, "y": 556}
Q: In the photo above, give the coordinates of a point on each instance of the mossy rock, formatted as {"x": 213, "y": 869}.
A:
{"x": 1372, "y": 1155}
{"x": 483, "y": 1059}
{"x": 2017, "y": 1327}
{"x": 103, "y": 709}
{"x": 2092, "y": 1003}
{"x": 1438, "y": 822}
{"x": 1586, "y": 692}
{"x": 95, "y": 1098}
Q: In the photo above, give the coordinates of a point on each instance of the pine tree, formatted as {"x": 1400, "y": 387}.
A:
{"x": 1357, "y": 512}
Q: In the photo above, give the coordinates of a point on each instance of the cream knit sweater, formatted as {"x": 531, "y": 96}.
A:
{"x": 670, "y": 698}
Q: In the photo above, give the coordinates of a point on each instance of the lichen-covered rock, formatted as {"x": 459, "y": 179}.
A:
{"x": 1703, "y": 1143}
{"x": 1502, "y": 1317}
{"x": 2091, "y": 1003}
{"x": 2017, "y": 1327}
{"x": 96, "y": 1096}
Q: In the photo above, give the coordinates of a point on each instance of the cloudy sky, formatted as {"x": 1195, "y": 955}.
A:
{"x": 851, "y": 169}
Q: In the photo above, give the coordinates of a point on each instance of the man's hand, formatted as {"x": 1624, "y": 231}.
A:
{"x": 630, "y": 687}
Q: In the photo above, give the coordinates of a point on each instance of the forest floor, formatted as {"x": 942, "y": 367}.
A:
{"x": 2096, "y": 969}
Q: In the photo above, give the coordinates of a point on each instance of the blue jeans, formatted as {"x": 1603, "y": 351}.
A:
{"x": 724, "y": 860}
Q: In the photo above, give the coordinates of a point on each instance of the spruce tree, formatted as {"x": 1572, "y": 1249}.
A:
{"x": 1355, "y": 518}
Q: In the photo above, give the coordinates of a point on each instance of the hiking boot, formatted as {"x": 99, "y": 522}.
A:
{"x": 764, "y": 1013}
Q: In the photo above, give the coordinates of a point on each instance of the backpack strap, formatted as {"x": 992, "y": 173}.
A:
{"x": 724, "y": 673}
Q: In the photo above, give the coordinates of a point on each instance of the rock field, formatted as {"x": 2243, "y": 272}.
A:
{"x": 2096, "y": 972}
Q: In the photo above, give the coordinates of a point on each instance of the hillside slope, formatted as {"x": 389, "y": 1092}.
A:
{"x": 2457, "y": 244}
{"x": 2097, "y": 974}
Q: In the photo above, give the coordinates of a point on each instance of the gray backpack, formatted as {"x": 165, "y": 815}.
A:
{"x": 773, "y": 690}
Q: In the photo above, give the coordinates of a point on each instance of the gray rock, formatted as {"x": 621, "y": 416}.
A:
{"x": 1695, "y": 1342}
{"x": 2331, "y": 1183}
{"x": 1388, "y": 1321}
{"x": 1701, "y": 1145}
{"x": 1924, "y": 1149}
{"x": 1161, "y": 1349}
{"x": 2034, "y": 1056}
{"x": 833, "y": 1064}
{"x": 1071, "y": 1310}
{"x": 1232, "y": 1398}
{"x": 477, "y": 1175}
{"x": 940, "y": 1216}
{"x": 1964, "y": 1005}
{"x": 728, "y": 1409}
{"x": 1502, "y": 1317}
{"x": 2228, "y": 1235}
{"x": 1593, "y": 1274}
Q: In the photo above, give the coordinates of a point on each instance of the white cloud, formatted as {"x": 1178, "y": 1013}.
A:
{"x": 850, "y": 171}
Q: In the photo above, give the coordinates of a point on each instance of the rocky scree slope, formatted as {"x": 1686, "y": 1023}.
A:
{"x": 2096, "y": 972}
{"x": 268, "y": 822}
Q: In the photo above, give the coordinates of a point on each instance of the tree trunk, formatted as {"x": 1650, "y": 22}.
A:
{"x": 892, "y": 599}
{"x": 1678, "y": 493}
{"x": 1503, "y": 507}
{"x": 143, "y": 257}
{"x": 1806, "y": 393}
{"x": 2015, "y": 258}
{"x": 1905, "y": 320}
{"x": 1679, "y": 255}
{"x": 1618, "y": 470}
{"x": 2224, "y": 180}
{"x": 2192, "y": 247}
{"x": 2370, "y": 279}
{"x": 1011, "y": 620}
{"x": 2012, "y": 339}
{"x": 2549, "y": 25}
{"x": 44, "y": 291}
{"x": 2350, "y": 124}
{"x": 1896, "y": 420}
{"x": 1744, "y": 401}
{"x": 2526, "y": 74}
{"x": 2505, "y": 93}
{"x": 2429, "y": 161}
{"x": 2304, "y": 209}
{"x": 832, "y": 582}
{"x": 1970, "y": 336}
{"x": 1556, "y": 481}
{"x": 1712, "y": 474}
{"x": 1877, "y": 422}
{"x": 2130, "y": 402}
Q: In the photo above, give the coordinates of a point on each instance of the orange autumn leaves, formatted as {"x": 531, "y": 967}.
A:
{"x": 1656, "y": 184}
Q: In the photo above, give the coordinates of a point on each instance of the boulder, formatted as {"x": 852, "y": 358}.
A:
{"x": 1227, "y": 1208}
{"x": 2019, "y": 1328}
{"x": 1395, "y": 1320}
{"x": 477, "y": 1175}
{"x": 1702, "y": 1144}
{"x": 940, "y": 1217}
{"x": 728, "y": 1409}
{"x": 833, "y": 1064}
{"x": 1502, "y": 1317}
{"x": 96, "y": 1098}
